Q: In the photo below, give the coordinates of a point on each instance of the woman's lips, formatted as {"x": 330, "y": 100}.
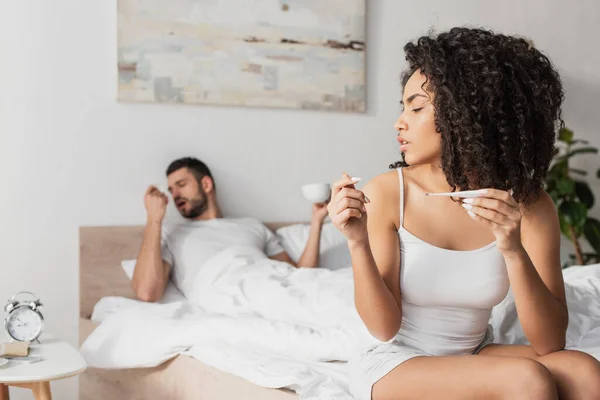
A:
{"x": 403, "y": 144}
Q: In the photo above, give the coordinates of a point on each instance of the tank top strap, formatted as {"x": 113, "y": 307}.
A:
{"x": 401, "y": 178}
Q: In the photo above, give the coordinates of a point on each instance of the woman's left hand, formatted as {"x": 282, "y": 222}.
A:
{"x": 500, "y": 212}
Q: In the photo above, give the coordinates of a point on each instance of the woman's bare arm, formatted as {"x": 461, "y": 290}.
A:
{"x": 529, "y": 240}
{"x": 376, "y": 263}
{"x": 536, "y": 279}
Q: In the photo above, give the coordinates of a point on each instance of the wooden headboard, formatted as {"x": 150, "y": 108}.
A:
{"x": 101, "y": 250}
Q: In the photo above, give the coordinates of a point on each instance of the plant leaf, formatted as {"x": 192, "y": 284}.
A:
{"x": 574, "y": 213}
{"x": 580, "y": 141}
{"x": 564, "y": 227}
{"x": 551, "y": 190}
{"x": 578, "y": 151}
{"x": 591, "y": 230}
{"x": 558, "y": 170}
{"x": 578, "y": 171}
{"x": 565, "y": 135}
{"x": 565, "y": 186}
{"x": 584, "y": 193}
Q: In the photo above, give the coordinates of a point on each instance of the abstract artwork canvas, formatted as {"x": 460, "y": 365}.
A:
{"x": 303, "y": 54}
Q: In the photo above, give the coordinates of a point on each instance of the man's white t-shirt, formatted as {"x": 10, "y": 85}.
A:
{"x": 187, "y": 246}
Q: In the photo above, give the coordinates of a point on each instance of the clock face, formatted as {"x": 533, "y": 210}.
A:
{"x": 24, "y": 324}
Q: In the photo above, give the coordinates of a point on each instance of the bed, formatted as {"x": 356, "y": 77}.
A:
{"x": 101, "y": 251}
{"x": 123, "y": 340}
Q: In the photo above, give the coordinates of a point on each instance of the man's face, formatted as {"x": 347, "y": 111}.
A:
{"x": 189, "y": 197}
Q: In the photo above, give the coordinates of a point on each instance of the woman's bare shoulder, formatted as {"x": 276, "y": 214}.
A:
{"x": 539, "y": 214}
{"x": 383, "y": 185}
{"x": 387, "y": 184}
{"x": 384, "y": 195}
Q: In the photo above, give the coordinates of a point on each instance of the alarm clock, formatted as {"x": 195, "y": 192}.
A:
{"x": 24, "y": 321}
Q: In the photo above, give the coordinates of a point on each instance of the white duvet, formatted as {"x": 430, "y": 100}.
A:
{"x": 278, "y": 326}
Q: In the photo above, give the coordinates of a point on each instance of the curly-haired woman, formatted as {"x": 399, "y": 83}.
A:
{"x": 480, "y": 113}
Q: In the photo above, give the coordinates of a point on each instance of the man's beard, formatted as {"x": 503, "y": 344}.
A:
{"x": 198, "y": 206}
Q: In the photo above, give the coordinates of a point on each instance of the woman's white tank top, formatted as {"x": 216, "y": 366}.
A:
{"x": 447, "y": 295}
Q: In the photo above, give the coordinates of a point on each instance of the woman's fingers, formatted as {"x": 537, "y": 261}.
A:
{"x": 501, "y": 195}
{"x": 491, "y": 204}
{"x": 481, "y": 219}
{"x": 343, "y": 217}
{"x": 350, "y": 193}
{"x": 348, "y": 202}
{"x": 342, "y": 183}
{"x": 345, "y": 181}
{"x": 490, "y": 215}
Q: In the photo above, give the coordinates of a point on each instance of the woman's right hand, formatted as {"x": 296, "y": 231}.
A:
{"x": 347, "y": 209}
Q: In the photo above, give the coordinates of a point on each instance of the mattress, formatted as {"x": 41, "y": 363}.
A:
{"x": 182, "y": 378}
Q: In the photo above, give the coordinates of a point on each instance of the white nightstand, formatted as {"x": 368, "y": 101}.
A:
{"x": 59, "y": 361}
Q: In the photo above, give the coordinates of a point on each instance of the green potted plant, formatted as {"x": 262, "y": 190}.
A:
{"x": 573, "y": 197}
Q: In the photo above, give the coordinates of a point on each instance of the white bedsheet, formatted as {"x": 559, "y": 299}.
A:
{"x": 278, "y": 326}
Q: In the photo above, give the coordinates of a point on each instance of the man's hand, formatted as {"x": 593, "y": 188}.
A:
{"x": 319, "y": 212}
{"x": 156, "y": 204}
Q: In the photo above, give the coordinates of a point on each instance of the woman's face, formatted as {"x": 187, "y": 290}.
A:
{"x": 417, "y": 137}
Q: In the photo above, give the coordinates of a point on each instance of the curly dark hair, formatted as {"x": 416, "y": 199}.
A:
{"x": 497, "y": 108}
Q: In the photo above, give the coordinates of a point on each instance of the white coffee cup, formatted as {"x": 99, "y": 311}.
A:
{"x": 316, "y": 192}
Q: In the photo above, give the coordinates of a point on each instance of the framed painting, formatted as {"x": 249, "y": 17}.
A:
{"x": 302, "y": 54}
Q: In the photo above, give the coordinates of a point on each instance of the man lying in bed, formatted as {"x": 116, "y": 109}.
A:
{"x": 205, "y": 233}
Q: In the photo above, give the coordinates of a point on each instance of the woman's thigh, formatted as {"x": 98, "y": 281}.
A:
{"x": 466, "y": 377}
{"x": 577, "y": 374}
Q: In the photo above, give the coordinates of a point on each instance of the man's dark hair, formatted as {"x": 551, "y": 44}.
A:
{"x": 497, "y": 108}
{"x": 196, "y": 167}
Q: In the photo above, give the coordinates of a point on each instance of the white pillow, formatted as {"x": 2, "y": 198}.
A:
{"x": 128, "y": 266}
{"x": 334, "y": 253}
{"x": 171, "y": 292}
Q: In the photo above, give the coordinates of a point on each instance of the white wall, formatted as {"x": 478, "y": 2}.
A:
{"x": 70, "y": 155}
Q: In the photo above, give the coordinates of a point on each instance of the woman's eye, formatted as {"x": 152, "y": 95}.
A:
{"x": 416, "y": 110}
